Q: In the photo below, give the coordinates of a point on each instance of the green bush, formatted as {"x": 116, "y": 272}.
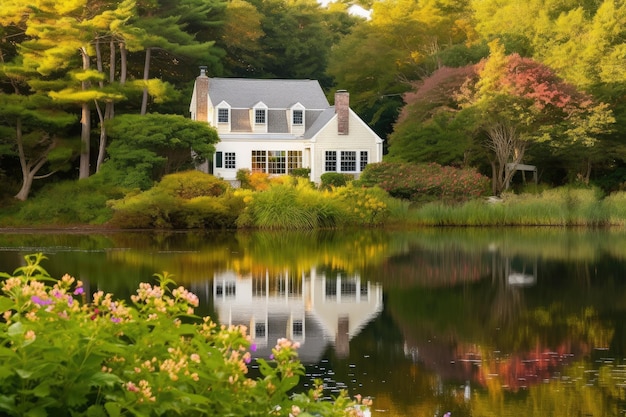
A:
{"x": 183, "y": 200}
{"x": 334, "y": 179}
{"x": 211, "y": 212}
{"x": 190, "y": 184}
{"x": 66, "y": 353}
{"x": 243, "y": 176}
{"x": 301, "y": 172}
{"x": 70, "y": 202}
{"x": 425, "y": 182}
{"x": 150, "y": 209}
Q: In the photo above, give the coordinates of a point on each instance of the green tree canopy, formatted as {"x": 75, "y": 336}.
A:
{"x": 144, "y": 148}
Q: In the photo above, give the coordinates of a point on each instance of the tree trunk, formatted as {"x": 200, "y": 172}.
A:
{"x": 146, "y": 74}
{"x": 508, "y": 148}
{"x": 85, "y": 122}
{"x": 28, "y": 169}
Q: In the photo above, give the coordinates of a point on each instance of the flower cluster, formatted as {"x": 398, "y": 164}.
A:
{"x": 106, "y": 355}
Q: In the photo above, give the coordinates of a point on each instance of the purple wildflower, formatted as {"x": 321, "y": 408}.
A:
{"x": 79, "y": 290}
{"x": 253, "y": 347}
{"x": 272, "y": 357}
{"x": 116, "y": 319}
{"x": 40, "y": 301}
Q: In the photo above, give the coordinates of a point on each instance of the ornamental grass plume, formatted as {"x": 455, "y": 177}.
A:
{"x": 65, "y": 354}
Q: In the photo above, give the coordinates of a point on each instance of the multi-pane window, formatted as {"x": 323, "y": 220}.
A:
{"x": 222, "y": 115}
{"x": 294, "y": 160}
{"x": 364, "y": 160}
{"x": 331, "y": 161}
{"x": 229, "y": 160}
{"x": 277, "y": 163}
{"x": 348, "y": 161}
{"x": 259, "y": 330}
{"x": 297, "y": 328}
{"x": 298, "y": 117}
{"x": 259, "y": 116}
{"x": 259, "y": 161}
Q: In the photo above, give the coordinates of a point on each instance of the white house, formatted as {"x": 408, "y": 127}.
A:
{"x": 275, "y": 125}
{"x": 310, "y": 308}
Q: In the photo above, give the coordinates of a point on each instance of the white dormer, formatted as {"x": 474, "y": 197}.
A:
{"x": 259, "y": 118}
{"x": 222, "y": 117}
{"x": 296, "y": 119}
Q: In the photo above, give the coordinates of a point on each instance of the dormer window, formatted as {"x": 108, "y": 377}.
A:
{"x": 260, "y": 116}
{"x": 223, "y": 115}
{"x": 298, "y": 117}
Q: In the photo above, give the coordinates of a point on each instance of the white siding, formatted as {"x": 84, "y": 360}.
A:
{"x": 360, "y": 138}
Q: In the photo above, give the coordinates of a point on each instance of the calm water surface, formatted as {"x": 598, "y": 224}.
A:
{"x": 478, "y": 322}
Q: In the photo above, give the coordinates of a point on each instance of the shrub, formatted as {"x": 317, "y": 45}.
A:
{"x": 425, "y": 182}
{"x": 243, "y": 176}
{"x": 70, "y": 202}
{"x": 211, "y": 212}
{"x": 335, "y": 179}
{"x": 365, "y": 206}
{"x": 180, "y": 201}
{"x": 65, "y": 353}
{"x": 301, "y": 172}
{"x": 150, "y": 209}
{"x": 190, "y": 184}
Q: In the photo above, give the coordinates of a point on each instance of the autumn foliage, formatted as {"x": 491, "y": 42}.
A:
{"x": 426, "y": 182}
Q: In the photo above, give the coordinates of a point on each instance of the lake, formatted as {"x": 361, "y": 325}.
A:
{"x": 477, "y": 321}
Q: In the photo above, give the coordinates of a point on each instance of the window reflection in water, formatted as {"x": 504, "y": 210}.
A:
{"x": 315, "y": 308}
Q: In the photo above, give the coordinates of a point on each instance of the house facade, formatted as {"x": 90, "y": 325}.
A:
{"x": 275, "y": 126}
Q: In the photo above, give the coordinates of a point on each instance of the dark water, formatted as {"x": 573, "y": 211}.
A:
{"x": 478, "y": 322}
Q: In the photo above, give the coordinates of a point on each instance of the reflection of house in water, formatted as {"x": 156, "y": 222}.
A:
{"x": 314, "y": 309}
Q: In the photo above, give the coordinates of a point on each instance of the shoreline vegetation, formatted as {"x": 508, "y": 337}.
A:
{"x": 387, "y": 195}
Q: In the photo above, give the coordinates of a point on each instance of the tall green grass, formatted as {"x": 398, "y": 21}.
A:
{"x": 556, "y": 207}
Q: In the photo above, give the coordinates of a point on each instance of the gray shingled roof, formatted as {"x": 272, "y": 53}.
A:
{"x": 319, "y": 122}
{"x": 275, "y": 93}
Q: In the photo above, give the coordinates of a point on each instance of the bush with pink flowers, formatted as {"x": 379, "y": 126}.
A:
{"x": 65, "y": 353}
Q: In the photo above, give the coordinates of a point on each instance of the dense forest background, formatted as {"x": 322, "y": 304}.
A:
{"x": 97, "y": 86}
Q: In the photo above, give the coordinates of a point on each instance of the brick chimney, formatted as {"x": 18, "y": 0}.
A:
{"x": 202, "y": 96}
{"x": 342, "y": 109}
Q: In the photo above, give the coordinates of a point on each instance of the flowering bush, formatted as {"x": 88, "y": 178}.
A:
{"x": 66, "y": 355}
{"x": 425, "y": 182}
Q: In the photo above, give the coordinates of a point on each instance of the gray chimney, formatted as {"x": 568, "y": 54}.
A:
{"x": 342, "y": 109}
{"x": 202, "y": 96}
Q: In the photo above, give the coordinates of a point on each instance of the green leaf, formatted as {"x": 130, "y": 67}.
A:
{"x": 113, "y": 409}
{"x": 36, "y": 412}
{"x": 103, "y": 378}
{"x": 96, "y": 411}
{"x": 6, "y": 303}
{"x": 16, "y": 329}
{"x": 24, "y": 373}
{"x": 42, "y": 390}
{"x": 5, "y": 372}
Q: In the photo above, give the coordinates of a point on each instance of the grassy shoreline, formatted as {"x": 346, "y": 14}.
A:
{"x": 283, "y": 207}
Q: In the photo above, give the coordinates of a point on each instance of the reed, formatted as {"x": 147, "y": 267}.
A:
{"x": 556, "y": 207}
